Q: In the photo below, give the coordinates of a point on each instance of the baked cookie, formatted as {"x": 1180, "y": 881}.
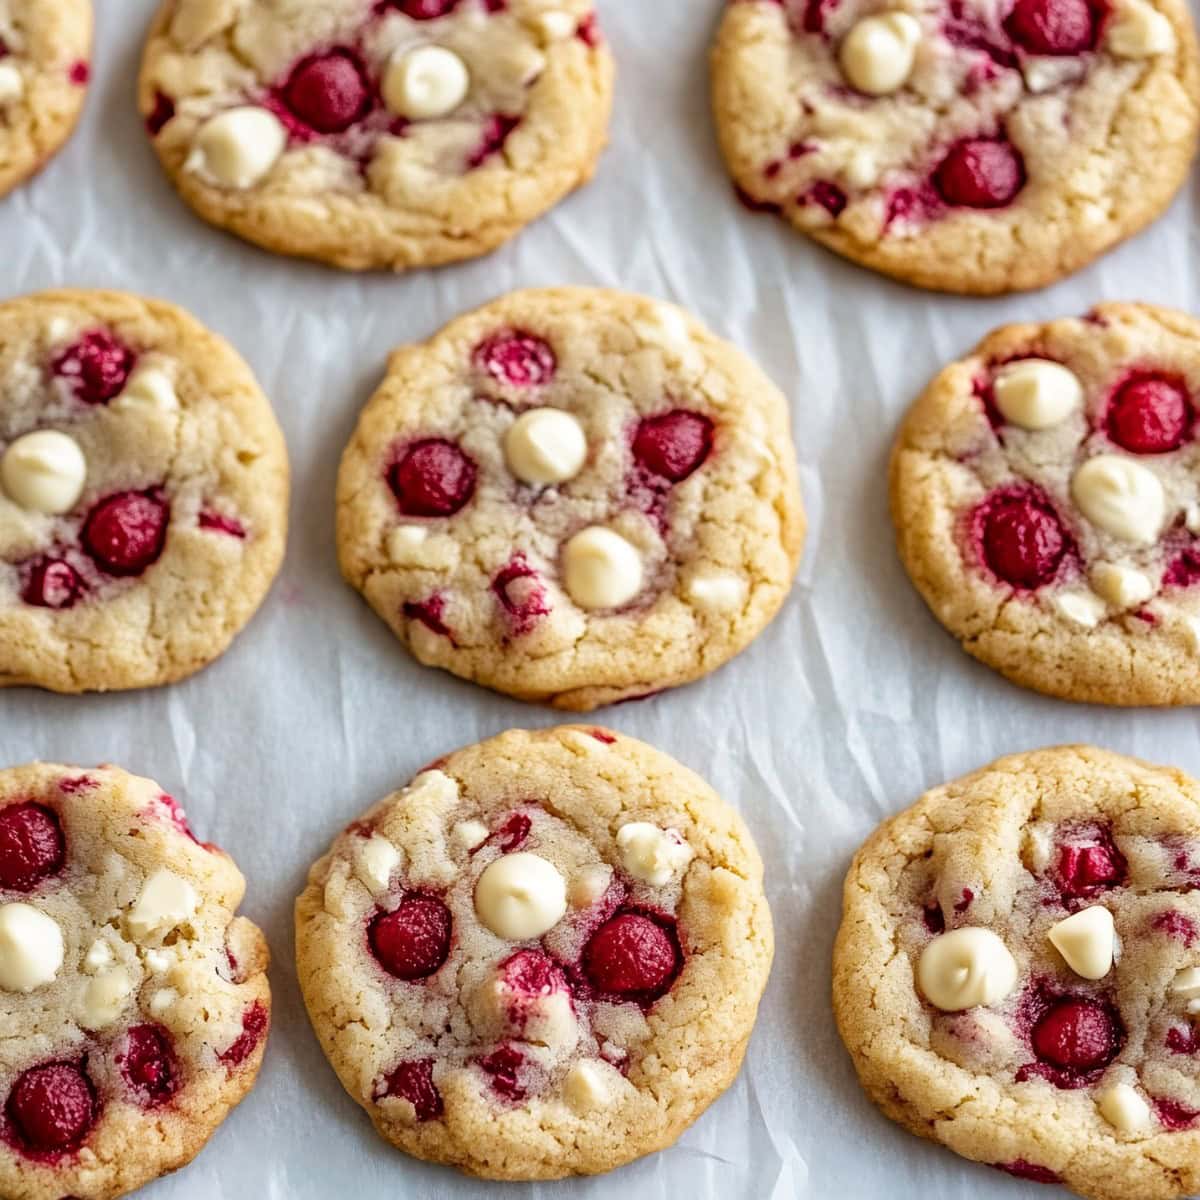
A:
{"x": 134, "y": 1002}
{"x": 376, "y": 133}
{"x": 1017, "y": 975}
{"x": 1046, "y": 494}
{"x": 573, "y": 496}
{"x": 143, "y": 492}
{"x": 44, "y": 50}
{"x": 962, "y": 145}
{"x": 542, "y": 958}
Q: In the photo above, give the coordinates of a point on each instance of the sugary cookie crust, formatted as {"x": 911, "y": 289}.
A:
{"x": 173, "y": 414}
{"x": 719, "y": 547}
{"x": 45, "y": 46}
{"x": 198, "y": 983}
{"x": 954, "y": 453}
{"x": 1013, "y": 849}
{"x": 600, "y": 1081}
{"x": 1106, "y": 136}
{"x": 383, "y": 192}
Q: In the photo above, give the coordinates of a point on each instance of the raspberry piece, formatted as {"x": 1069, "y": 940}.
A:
{"x": 96, "y": 366}
{"x": 673, "y": 445}
{"x": 52, "y": 1106}
{"x": 633, "y": 957}
{"x": 32, "y": 847}
{"x": 148, "y": 1065}
{"x": 1021, "y": 539}
{"x": 1150, "y": 415}
{"x": 1077, "y": 1035}
{"x": 412, "y": 941}
{"x": 980, "y": 173}
{"x": 52, "y": 583}
{"x": 432, "y": 478}
{"x": 328, "y": 92}
{"x": 521, "y": 360}
{"x": 1053, "y": 26}
{"x": 413, "y": 1081}
{"x": 125, "y": 533}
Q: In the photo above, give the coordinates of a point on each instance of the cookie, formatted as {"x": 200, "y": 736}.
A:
{"x": 376, "y": 133}
{"x": 957, "y": 144}
{"x": 573, "y": 496}
{"x": 143, "y": 492}
{"x": 135, "y": 1003}
{"x": 1017, "y": 974}
{"x": 542, "y": 958}
{"x": 45, "y": 46}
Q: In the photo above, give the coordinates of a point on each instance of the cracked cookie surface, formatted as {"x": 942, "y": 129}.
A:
{"x": 574, "y": 496}
{"x": 976, "y": 146}
{"x": 135, "y": 1002}
{"x": 1046, "y": 506}
{"x": 1017, "y": 972}
{"x": 399, "y": 134}
{"x": 543, "y": 957}
{"x": 45, "y": 47}
{"x": 143, "y": 492}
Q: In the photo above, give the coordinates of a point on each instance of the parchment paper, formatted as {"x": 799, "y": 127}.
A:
{"x": 850, "y": 705}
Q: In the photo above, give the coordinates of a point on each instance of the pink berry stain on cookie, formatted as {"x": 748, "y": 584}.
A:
{"x": 51, "y": 1109}
{"x": 255, "y": 1021}
{"x": 522, "y": 594}
{"x": 148, "y": 1065}
{"x": 217, "y": 522}
{"x": 96, "y": 367}
{"x": 1020, "y": 538}
{"x": 412, "y": 941}
{"x": 125, "y": 534}
{"x": 32, "y": 846}
{"x": 432, "y": 478}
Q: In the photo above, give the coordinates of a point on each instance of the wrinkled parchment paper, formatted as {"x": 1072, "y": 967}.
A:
{"x": 850, "y": 705}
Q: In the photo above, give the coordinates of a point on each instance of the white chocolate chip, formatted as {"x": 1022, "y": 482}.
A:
{"x": 1138, "y": 30}
{"x": 1083, "y": 608}
{"x": 12, "y": 83}
{"x": 44, "y": 471}
{"x": 589, "y": 884}
{"x": 965, "y": 968}
{"x": 520, "y": 896}
{"x": 1035, "y": 393}
{"x": 1187, "y": 983}
{"x": 586, "y": 1086}
{"x": 99, "y": 955}
{"x": 469, "y": 835}
{"x": 1085, "y": 940}
{"x": 436, "y": 785}
{"x": 877, "y": 55}
{"x": 1123, "y": 1108}
{"x": 163, "y": 1001}
{"x": 158, "y": 961}
{"x": 104, "y": 998}
{"x": 31, "y": 948}
{"x": 651, "y": 854}
{"x": 426, "y": 82}
{"x": 1191, "y": 633}
{"x": 166, "y": 902}
{"x": 717, "y": 592}
{"x": 863, "y": 168}
{"x": 149, "y": 387}
{"x": 238, "y": 148}
{"x": 1044, "y": 73}
{"x": 377, "y": 859}
{"x": 601, "y": 569}
{"x": 1120, "y": 496}
{"x": 406, "y": 545}
{"x": 1122, "y": 587}
{"x": 545, "y": 446}
{"x": 556, "y": 26}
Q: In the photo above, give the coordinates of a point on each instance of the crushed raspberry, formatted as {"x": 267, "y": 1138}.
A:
{"x": 125, "y": 533}
{"x": 633, "y": 957}
{"x": 963, "y": 27}
{"x": 413, "y": 941}
{"x": 589, "y": 31}
{"x": 328, "y": 92}
{"x": 219, "y": 523}
{"x": 828, "y": 195}
{"x": 514, "y": 832}
{"x": 426, "y": 10}
{"x": 95, "y": 367}
{"x": 1150, "y": 414}
{"x": 52, "y": 583}
{"x": 432, "y": 478}
{"x": 32, "y": 846}
{"x": 73, "y": 786}
{"x": 254, "y": 1026}
{"x": 52, "y": 1107}
{"x": 516, "y": 358}
{"x": 1176, "y": 925}
{"x": 1184, "y": 570}
{"x": 813, "y": 18}
{"x": 413, "y": 1081}
{"x": 161, "y": 114}
{"x": 980, "y": 173}
{"x": 910, "y": 205}
{"x": 496, "y": 131}
{"x": 1175, "y": 1116}
{"x": 603, "y": 736}
{"x": 934, "y": 918}
{"x": 148, "y": 1064}
{"x": 1077, "y": 1035}
{"x": 1053, "y": 26}
{"x": 673, "y": 445}
{"x": 755, "y": 205}
{"x": 1020, "y": 537}
{"x": 522, "y": 594}
{"x": 504, "y": 1066}
{"x": 1182, "y": 1041}
{"x": 1084, "y": 871}
{"x": 176, "y": 816}
{"x": 430, "y": 613}
{"x": 968, "y": 898}
{"x": 1023, "y": 1169}
{"x": 531, "y": 973}
{"x": 80, "y": 73}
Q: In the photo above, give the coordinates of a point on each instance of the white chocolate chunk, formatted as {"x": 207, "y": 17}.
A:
{"x": 99, "y": 955}
{"x": 1081, "y": 607}
{"x": 1123, "y": 1108}
{"x": 1187, "y": 983}
{"x": 1191, "y": 518}
{"x": 1035, "y": 393}
{"x": 588, "y": 884}
{"x": 586, "y": 1086}
{"x": 436, "y": 785}
{"x": 556, "y": 25}
{"x": 163, "y": 1001}
{"x": 104, "y": 998}
{"x": 406, "y": 545}
{"x": 469, "y": 835}
{"x": 31, "y": 948}
{"x": 12, "y": 83}
{"x": 1044, "y": 73}
{"x": 166, "y": 902}
{"x": 1139, "y": 30}
{"x": 651, "y": 854}
{"x": 1122, "y": 587}
{"x": 877, "y": 55}
{"x": 238, "y": 148}
{"x": 1085, "y": 940}
{"x": 520, "y": 896}
{"x": 601, "y": 569}
{"x": 377, "y": 859}
{"x": 149, "y": 387}
{"x": 425, "y": 82}
{"x": 717, "y": 592}
{"x": 965, "y": 968}
{"x": 500, "y": 1010}
{"x": 545, "y": 446}
{"x": 44, "y": 471}
{"x": 158, "y": 961}
{"x": 1120, "y": 496}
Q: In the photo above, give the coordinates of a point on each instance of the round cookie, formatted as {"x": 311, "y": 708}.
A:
{"x": 1045, "y": 496}
{"x": 961, "y": 145}
{"x": 1017, "y": 974}
{"x": 45, "y": 46}
{"x": 135, "y": 1003}
{"x": 376, "y": 133}
{"x": 542, "y": 958}
{"x": 143, "y": 492}
{"x": 573, "y": 496}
